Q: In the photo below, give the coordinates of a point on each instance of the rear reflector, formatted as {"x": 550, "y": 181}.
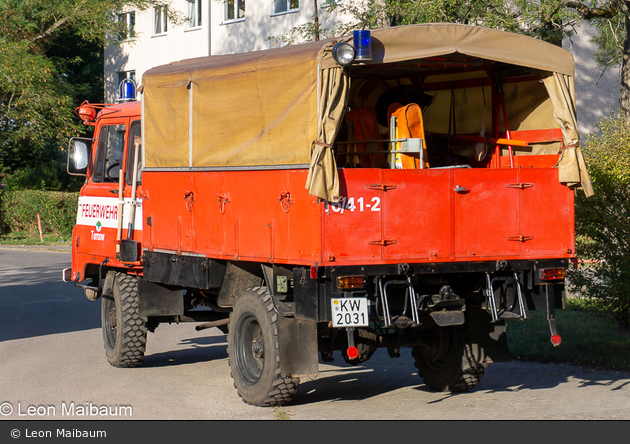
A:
{"x": 552, "y": 274}
{"x": 556, "y": 340}
{"x": 353, "y": 352}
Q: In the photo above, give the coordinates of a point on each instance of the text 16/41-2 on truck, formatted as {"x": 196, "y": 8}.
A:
{"x": 409, "y": 188}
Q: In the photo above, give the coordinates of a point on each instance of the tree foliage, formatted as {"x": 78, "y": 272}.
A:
{"x": 603, "y": 222}
{"x": 51, "y": 60}
{"x": 370, "y": 14}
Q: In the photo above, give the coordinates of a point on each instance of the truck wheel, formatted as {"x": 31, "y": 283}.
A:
{"x": 253, "y": 351}
{"x": 124, "y": 332}
{"x": 446, "y": 362}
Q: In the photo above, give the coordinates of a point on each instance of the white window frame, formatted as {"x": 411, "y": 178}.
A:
{"x": 195, "y": 14}
{"x": 160, "y": 20}
{"x": 233, "y": 6}
{"x": 281, "y": 7}
{"x": 129, "y": 18}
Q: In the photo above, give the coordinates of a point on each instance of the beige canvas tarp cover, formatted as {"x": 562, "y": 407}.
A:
{"x": 284, "y": 107}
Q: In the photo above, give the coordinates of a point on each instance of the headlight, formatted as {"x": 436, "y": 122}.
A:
{"x": 343, "y": 53}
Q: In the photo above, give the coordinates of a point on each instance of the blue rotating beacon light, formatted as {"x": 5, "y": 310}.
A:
{"x": 362, "y": 43}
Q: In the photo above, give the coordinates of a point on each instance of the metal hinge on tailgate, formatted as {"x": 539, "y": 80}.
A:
{"x": 520, "y": 238}
{"x": 383, "y": 242}
{"x": 381, "y": 187}
{"x": 520, "y": 186}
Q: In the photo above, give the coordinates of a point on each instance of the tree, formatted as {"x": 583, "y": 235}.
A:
{"x": 51, "y": 59}
{"x": 603, "y": 222}
{"x": 612, "y": 19}
{"x": 370, "y": 14}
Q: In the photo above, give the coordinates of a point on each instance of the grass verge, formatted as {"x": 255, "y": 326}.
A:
{"x": 589, "y": 338}
{"x": 30, "y": 239}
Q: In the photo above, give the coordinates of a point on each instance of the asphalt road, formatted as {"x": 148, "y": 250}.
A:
{"x": 53, "y": 366}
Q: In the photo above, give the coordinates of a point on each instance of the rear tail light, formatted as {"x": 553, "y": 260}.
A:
{"x": 552, "y": 274}
{"x": 350, "y": 282}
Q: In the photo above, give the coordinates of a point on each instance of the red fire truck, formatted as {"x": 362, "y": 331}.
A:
{"x": 408, "y": 188}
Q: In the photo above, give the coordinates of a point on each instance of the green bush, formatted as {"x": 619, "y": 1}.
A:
{"x": 589, "y": 338}
{"x": 603, "y": 223}
{"x": 46, "y": 177}
{"x": 19, "y": 209}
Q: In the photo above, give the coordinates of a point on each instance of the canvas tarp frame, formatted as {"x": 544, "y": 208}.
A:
{"x": 283, "y": 107}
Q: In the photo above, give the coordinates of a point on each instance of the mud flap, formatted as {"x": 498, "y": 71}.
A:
{"x": 447, "y": 318}
{"x": 237, "y": 278}
{"x": 158, "y": 300}
{"x": 297, "y": 341}
{"x": 487, "y": 338}
{"x": 128, "y": 250}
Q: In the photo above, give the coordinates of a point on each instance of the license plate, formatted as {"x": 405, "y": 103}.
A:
{"x": 350, "y": 312}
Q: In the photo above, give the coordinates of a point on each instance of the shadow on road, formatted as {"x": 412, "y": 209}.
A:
{"x": 382, "y": 375}
{"x": 199, "y": 349}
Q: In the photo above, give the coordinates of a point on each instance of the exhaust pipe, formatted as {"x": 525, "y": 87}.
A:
{"x": 213, "y": 324}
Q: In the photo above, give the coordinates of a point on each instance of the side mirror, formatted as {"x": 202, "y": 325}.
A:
{"x": 79, "y": 156}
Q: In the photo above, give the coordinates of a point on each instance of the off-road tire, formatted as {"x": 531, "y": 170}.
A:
{"x": 253, "y": 351}
{"x": 124, "y": 332}
{"x": 447, "y": 363}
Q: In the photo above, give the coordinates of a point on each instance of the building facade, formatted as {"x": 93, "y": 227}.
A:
{"x": 208, "y": 27}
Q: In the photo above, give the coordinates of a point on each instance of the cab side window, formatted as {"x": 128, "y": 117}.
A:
{"x": 135, "y": 137}
{"x": 108, "y": 162}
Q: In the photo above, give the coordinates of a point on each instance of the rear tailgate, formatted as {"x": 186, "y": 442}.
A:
{"x": 450, "y": 215}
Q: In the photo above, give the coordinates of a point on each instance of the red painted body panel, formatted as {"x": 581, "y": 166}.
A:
{"x": 238, "y": 215}
{"x": 386, "y": 216}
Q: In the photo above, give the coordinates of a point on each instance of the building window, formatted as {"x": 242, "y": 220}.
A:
{"x": 234, "y": 9}
{"x": 127, "y": 25}
{"x": 194, "y": 13}
{"x": 280, "y": 6}
{"x": 160, "y": 20}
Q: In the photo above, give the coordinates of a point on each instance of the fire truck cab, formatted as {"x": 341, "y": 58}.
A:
{"x": 404, "y": 188}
